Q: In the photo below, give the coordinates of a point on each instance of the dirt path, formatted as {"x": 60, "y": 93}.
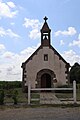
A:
{"x": 48, "y": 113}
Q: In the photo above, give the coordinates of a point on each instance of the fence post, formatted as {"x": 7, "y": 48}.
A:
{"x": 74, "y": 91}
{"x": 29, "y": 90}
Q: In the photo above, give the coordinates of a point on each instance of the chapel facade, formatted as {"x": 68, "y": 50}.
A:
{"x": 45, "y": 68}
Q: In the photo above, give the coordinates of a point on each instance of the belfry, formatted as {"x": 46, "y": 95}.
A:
{"x": 45, "y": 68}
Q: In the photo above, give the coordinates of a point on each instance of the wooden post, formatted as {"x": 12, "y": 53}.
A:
{"x": 29, "y": 90}
{"x": 74, "y": 91}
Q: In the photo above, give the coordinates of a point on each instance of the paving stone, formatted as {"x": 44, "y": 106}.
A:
{"x": 49, "y": 98}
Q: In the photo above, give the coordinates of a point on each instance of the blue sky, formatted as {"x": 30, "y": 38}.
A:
{"x": 20, "y": 24}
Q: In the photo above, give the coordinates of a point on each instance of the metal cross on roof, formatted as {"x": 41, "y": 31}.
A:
{"x": 45, "y": 18}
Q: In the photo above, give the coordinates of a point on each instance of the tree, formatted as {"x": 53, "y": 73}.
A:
{"x": 75, "y": 73}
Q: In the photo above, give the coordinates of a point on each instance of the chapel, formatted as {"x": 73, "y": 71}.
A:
{"x": 45, "y": 68}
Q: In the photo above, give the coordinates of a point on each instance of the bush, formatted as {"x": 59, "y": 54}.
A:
{"x": 14, "y": 97}
{"x": 1, "y": 97}
{"x": 9, "y": 93}
{"x": 10, "y": 84}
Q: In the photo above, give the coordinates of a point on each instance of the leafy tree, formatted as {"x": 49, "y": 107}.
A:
{"x": 78, "y": 75}
{"x": 75, "y": 73}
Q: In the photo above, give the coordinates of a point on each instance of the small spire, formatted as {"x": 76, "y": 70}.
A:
{"x": 45, "y": 18}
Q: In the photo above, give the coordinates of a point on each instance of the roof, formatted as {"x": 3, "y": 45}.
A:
{"x": 45, "y": 28}
{"x": 41, "y": 47}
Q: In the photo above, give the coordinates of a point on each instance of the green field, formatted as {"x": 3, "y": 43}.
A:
{"x": 22, "y": 97}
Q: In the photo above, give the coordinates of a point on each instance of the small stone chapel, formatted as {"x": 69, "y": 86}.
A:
{"x": 45, "y": 68}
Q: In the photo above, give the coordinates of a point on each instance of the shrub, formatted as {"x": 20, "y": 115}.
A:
{"x": 9, "y": 93}
{"x": 1, "y": 97}
{"x": 14, "y": 97}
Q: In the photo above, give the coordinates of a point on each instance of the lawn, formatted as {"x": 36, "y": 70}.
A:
{"x": 69, "y": 95}
{"x": 22, "y": 97}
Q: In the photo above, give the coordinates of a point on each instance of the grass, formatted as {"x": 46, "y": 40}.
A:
{"x": 22, "y": 97}
{"x": 78, "y": 95}
{"x": 64, "y": 95}
{"x": 68, "y": 95}
{"x": 35, "y": 98}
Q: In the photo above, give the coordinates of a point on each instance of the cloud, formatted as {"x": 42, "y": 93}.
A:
{"x": 2, "y": 47}
{"x": 8, "y": 9}
{"x": 62, "y": 42}
{"x": 79, "y": 37}
{"x": 8, "y": 32}
{"x": 11, "y": 4}
{"x": 10, "y": 63}
{"x": 8, "y": 54}
{"x": 10, "y": 68}
{"x": 33, "y": 23}
{"x": 71, "y": 31}
{"x": 34, "y": 34}
{"x": 75, "y": 42}
{"x": 12, "y": 23}
{"x": 2, "y": 32}
{"x": 71, "y": 57}
{"x": 35, "y": 26}
{"x": 9, "y": 72}
{"x": 28, "y": 51}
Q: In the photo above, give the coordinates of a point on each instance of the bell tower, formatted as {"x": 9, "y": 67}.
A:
{"x": 45, "y": 33}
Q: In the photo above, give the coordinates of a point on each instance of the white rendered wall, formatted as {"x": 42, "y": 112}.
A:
{"x": 37, "y": 63}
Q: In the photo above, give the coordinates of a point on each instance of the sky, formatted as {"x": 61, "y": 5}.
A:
{"x": 20, "y": 24}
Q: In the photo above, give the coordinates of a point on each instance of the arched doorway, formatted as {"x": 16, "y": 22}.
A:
{"x": 45, "y": 78}
{"x": 45, "y": 81}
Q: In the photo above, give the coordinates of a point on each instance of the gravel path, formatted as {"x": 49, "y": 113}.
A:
{"x": 47, "y": 113}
